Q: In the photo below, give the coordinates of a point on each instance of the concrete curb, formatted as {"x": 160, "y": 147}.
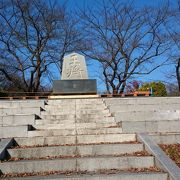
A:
{"x": 4, "y": 144}
{"x": 161, "y": 159}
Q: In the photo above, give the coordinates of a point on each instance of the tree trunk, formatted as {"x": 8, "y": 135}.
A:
{"x": 115, "y": 91}
{"x": 122, "y": 87}
{"x": 178, "y": 74}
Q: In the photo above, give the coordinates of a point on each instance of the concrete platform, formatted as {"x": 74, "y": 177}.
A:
{"x": 73, "y": 96}
{"x": 142, "y": 100}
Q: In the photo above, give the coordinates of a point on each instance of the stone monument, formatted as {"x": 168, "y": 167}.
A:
{"x": 74, "y": 79}
{"x": 74, "y": 67}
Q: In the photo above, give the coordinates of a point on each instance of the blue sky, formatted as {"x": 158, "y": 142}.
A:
{"x": 156, "y": 75}
{"x": 138, "y": 3}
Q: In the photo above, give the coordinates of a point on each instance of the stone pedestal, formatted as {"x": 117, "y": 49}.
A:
{"x": 80, "y": 86}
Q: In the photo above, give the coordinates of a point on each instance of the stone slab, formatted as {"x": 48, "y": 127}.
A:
{"x": 76, "y": 99}
{"x": 151, "y": 126}
{"x": 44, "y": 141}
{"x": 72, "y": 121}
{"x": 83, "y": 139}
{"x": 14, "y": 131}
{"x": 142, "y": 100}
{"x": 77, "y": 125}
{"x": 18, "y": 119}
{"x": 93, "y": 164}
{"x": 22, "y": 103}
{"x": 70, "y": 107}
{"x": 20, "y": 110}
{"x": 88, "y": 150}
{"x": 80, "y": 164}
{"x": 108, "y": 149}
{"x": 66, "y": 132}
{"x": 142, "y": 107}
{"x": 83, "y": 86}
{"x": 147, "y": 115}
{"x": 106, "y": 138}
{"x": 53, "y": 111}
{"x": 166, "y": 138}
{"x": 38, "y": 166}
{"x": 52, "y": 132}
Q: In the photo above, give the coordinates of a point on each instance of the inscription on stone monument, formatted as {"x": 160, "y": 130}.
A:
{"x": 74, "y": 67}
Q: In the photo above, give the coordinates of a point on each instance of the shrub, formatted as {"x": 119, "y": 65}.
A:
{"x": 158, "y": 88}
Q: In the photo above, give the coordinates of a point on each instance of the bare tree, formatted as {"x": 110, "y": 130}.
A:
{"x": 172, "y": 27}
{"x": 125, "y": 40}
{"x": 68, "y": 39}
{"x": 27, "y": 32}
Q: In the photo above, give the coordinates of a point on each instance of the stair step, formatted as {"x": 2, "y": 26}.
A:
{"x": 106, "y": 176}
{"x": 166, "y": 138}
{"x": 20, "y": 110}
{"x": 87, "y": 150}
{"x": 73, "y": 120}
{"x": 75, "y": 107}
{"x": 80, "y": 164}
{"x": 81, "y": 111}
{"x": 17, "y": 119}
{"x": 148, "y": 116}
{"x": 151, "y": 126}
{"x": 14, "y": 131}
{"x": 74, "y": 102}
{"x": 79, "y": 139}
{"x": 143, "y": 107}
{"x": 143, "y": 101}
{"x": 81, "y": 117}
{"x": 22, "y": 104}
{"x": 57, "y": 132}
{"x": 59, "y": 117}
{"x": 76, "y": 125}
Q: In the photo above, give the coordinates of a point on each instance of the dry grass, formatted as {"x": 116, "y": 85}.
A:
{"x": 173, "y": 151}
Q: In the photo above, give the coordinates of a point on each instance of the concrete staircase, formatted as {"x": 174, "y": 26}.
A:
{"x": 17, "y": 117}
{"x": 85, "y": 138}
{"x": 159, "y": 117}
{"x": 76, "y": 117}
